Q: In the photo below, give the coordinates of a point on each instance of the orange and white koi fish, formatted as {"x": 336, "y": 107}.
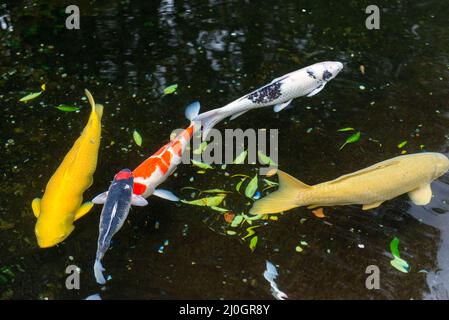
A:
{"x": 157, "y": 168}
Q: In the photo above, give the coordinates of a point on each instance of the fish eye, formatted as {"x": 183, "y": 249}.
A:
{"x": 327, "y": 75}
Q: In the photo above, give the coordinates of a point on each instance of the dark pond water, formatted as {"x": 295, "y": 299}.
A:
{"x": 127, "y": 52}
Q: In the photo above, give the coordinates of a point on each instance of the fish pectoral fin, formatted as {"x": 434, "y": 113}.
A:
{"x": 237, "y": 115}
{"x": 138, "y": 201}
{"x": 315, "y": 91}
{"x": 371, "y": 205}
{"x": 36, "y": 207}
{"x": 282, "y": 106}
{"x": 101, "y": 198}
{"x": 165, "y": 194}
{"x": 85, "y": 208}
{"x": 422, "y": 195}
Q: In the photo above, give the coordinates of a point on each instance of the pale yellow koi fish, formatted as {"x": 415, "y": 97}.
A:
{"x": 369, "y": 187}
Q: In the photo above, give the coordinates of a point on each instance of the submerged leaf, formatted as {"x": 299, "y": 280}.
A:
{"x": 237, "y": 187}
{"x": 30, "y": 96}
{"x": 219, "y": 209}
{"x": 236, "y": 221}
{"x": 215, "y": 191}
{"x": 402, "y": 144}
{"x": 251, "y": 188}
{"x": 67, "y": 108}
{"x": 346, "y": 129}
{"x": 201, "y": 165}
{"x": 264, "y": 159}
{"x": 397, "y": 262}
{"x": 319, "y": 213}
{"x": 354, "y": 138}
{"x": 250, "y": 231}
{"x": 394, "y": 247}
{"x": 206, "y": 202}
{"x": 170, "y": 89}
{"x": 400, "y": 265}
{"x": 137, "y": 138}
{"x": 253, "y": 243}
{"x": 231, "y": 232}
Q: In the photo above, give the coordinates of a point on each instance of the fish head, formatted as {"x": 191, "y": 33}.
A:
{"x": 50, "y": 231}
{"x": 123, "y": 175}
{"x": 325, "y": 71}
{"x": 441, "y": 165}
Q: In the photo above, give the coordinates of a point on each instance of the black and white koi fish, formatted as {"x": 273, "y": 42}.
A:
{"x": 280, "y": 92}
{"x": 117, "y": 202}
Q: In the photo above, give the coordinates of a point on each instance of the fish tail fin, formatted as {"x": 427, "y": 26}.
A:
{"x": 191, "y": 114}
{"x": 209, "y": 119}
{"x": 98, "y": 271}
{"x": 97, "y": 108}
{"x": 284, "y": 198}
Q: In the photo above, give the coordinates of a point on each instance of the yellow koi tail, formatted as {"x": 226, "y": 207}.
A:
{"x": 97, "y": 109}
{"x": 284, "y": 198}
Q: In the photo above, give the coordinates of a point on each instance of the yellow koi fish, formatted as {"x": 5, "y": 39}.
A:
{"x": 61, "y": 204}
{"x": 369, "y": 187}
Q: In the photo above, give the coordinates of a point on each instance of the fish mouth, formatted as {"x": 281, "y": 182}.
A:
{"x": 52, "y": 242}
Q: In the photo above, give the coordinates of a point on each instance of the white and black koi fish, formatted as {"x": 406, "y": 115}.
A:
{"x": 117, "y": 202}
{"x": 280, "y": 92}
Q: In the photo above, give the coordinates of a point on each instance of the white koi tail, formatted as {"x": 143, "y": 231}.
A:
{"x": 98, "y": 271}
{"x": 209, "y": 119}
{"x": 284, "y": 198}
{"x": 192, "y": 112}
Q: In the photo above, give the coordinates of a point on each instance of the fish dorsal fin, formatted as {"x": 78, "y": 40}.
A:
{"x": 377, "y": 166}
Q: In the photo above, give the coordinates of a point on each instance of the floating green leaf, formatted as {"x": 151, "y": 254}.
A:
{"x": 397, "y": 262}
{"x": 250, "y": 231}
{"x": 253, "y": 243}
{"x": 354, "y": 138}
{"x": 394, "y": 244}
{"x": 237, "y": 187}
{"x": 231, "y": 232}
{"x": 346, "y": 129}
{"x": 402, "y": 144}
{"x": 137, "y": 138}
{"x": 264, "y": 159}
{"x": 252, "y": 218}
{"x": 170, "y": 89}
{"x": 219, "y": 209}
{"x": 299, "y": 249}
{"x": 236, "y": 221}
{"x": 400, "y": 265}
{"x": 241, "y": 157}
{"x": 67, "y": 108}
{"x": 201, "y": 165}
{"x": 270, "y": 183}
{"x": 215, "y": 191}
{"x": 206, "y": 202}
{"x": 251, "y": 188}
{"x": 30, "y": 96}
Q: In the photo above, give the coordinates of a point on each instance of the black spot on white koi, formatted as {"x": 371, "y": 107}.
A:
{"x": 327, "y": 75}
{"x": 311, "y": 74}
{"x": 266, "y": 94}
